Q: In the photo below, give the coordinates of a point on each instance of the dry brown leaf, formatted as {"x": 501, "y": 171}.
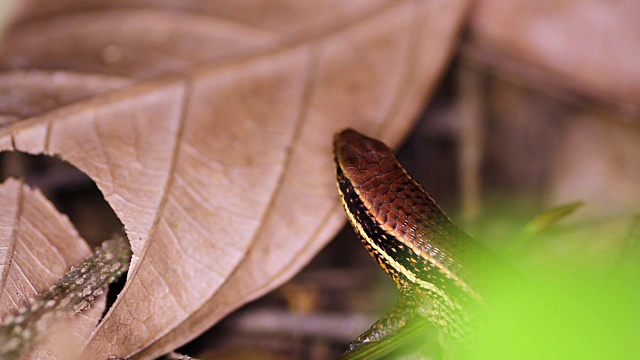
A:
{"x": 593, "y": 43}
{"x": 598, "y": 160}
{"x": 37, "y": 247}
{"x": 583, "y": 151}
{"x": 221, "y": 173}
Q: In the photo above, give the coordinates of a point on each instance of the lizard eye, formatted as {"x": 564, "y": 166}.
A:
{"x": 350, "y": 162}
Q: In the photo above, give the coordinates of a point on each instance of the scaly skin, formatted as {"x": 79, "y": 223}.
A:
{"x": 431, "y": 261}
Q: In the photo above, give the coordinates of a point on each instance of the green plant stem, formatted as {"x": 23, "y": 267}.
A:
{"x": 414, "y": 332}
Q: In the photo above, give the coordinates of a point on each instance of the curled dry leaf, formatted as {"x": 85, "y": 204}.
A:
{"x": 221, "y": 172}
{"x": 38, "y": 246}
{"x": 593, "y": 43}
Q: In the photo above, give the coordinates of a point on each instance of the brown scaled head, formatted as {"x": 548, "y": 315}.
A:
{"x": 362, "y": 156}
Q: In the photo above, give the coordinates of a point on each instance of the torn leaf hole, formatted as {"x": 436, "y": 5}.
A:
{"x": 72, "y": 192}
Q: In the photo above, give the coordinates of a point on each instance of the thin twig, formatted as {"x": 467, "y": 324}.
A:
{"x": 74, "y": 293}
{"x": 176, "y": 356}
{"x": 546, "y": 81}
{"x": 470, "y": 147}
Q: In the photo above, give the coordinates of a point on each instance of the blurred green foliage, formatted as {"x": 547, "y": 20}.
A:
{"x": 578, "y": 296}
{"x": 576, "y": 316}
